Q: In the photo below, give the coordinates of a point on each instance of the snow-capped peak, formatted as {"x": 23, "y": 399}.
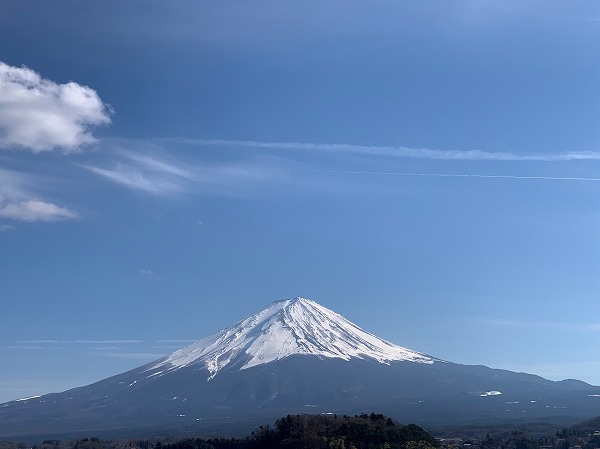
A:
{"x": 284, "y": 328}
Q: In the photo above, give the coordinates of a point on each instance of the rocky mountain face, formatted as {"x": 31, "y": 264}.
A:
{"x": 296, "y": 356}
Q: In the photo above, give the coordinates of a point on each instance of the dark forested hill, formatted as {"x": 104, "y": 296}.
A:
{"x": 374, "y": 431}
{"x": 324, "y": 431}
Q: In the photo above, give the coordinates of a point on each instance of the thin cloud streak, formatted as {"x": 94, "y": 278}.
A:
{"x": 464, "y": 175}
{"x": 397, "y": 151}
{"x": 176, "y": 341}
{"x": 589, "y": 327}
{"x": 108, "y": 342}
{"x": 21, "y": 347}
{"x": 38, "y": 342}
{"x": 130, "y": 355}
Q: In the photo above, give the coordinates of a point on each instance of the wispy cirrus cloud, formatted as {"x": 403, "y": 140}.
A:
{"x": 88, "y": 342}
{"x": 133, "y": 178}
{"x": 22, "y": 347}
{"x": 116, "y": 349}
{"x": 588, "y": 327}
{"x": 144, "y": 172}
{"x": 465, "y": 175}
{"x": 157, "y": 165}
{"x": 38, "y": 342}
{"x": 176, "y": 341}
{"x": 131, "y": 355}
{"x": 37, "y": 114}
{"x": 153, "y": 169}
{"x": 397, "y": 151}
{"x": 158, "y": 174}
{"x": 108, "y": 342}
{"x": 18, "y": 203}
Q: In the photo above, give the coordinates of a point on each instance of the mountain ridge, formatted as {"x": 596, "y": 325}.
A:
{"x": 296, "y": 356}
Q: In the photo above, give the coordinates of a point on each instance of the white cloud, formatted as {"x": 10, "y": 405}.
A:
{"x": 19, "y": 204}
{"x": 37, "y": 114}
{"x": 5, "y": 227}
{"x": 34, "y": 210}
{"x": 400, "y": 151}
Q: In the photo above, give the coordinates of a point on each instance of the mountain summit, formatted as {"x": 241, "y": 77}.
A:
{"x": 295, "y": 356}
{"x": 288, "y": 327}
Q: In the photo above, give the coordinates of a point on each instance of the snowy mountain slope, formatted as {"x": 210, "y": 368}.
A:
{"x": 295, "y": 356}
{"x": 288, "y": 327}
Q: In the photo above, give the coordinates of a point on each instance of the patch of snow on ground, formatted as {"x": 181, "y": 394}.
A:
{"x": 490, "y": 393}
{"x": 26, "y": 399}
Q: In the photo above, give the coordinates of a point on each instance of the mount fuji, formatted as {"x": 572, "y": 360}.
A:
{"x": 290, "y": 327}
{"x": 296, "y": 356}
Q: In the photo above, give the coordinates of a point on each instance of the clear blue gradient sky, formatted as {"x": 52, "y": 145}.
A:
{"x": 430, "y": 170}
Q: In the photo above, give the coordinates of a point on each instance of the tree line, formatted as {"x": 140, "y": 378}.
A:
{"x": 303, "y": 431}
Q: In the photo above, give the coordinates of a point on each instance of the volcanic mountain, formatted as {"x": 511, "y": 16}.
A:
{"x": 285, "y": 328}
{"x": 296, "y": 356}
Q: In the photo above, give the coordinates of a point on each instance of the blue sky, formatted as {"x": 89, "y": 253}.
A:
{"x": 430, "y": 170}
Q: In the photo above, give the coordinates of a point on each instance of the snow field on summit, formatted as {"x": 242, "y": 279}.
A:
{"x": 284, "y": 328}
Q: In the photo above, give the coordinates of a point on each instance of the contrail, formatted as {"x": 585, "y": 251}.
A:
{"x": 397, "y": 151}
{"x": 462, "y": 175}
